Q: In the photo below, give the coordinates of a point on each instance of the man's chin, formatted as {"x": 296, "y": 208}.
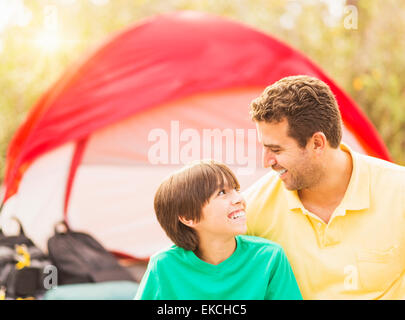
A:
{"x": 290, "y": 188}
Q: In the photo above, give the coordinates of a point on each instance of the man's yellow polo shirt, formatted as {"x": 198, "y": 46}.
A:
{"x": 360, "y": 253}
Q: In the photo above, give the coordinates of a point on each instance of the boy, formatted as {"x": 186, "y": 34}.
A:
{"x": 202, "y": 212}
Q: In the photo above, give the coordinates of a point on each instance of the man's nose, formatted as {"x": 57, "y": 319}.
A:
{"x": 268, "y": 159}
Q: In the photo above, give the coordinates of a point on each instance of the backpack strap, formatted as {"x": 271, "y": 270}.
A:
{"x": 1, "y": 230}
{"x": 20, "y": 225}
{"x": 21, "y": 232}
{"x": 61, "y": 225}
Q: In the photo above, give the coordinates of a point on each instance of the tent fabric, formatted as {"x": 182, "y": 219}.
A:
{"x": 76, "y": 159}
{"x": 179, "y": 73}
{"x": 162, "y": 59}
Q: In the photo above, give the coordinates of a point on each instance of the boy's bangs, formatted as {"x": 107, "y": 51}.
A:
{"x": 219, "y": 177}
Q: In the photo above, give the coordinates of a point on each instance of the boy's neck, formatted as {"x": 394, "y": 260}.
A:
{"x": 215, "y": 250}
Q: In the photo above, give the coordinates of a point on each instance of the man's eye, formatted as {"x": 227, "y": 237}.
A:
{"x": 220, "y": 193}
{"x": 270, "y": 149}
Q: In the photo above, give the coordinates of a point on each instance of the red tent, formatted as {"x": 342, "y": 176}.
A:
{"x": 168, "y": 90}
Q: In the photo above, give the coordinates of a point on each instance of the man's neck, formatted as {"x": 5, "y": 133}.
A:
{"x": 323, "y": 198}
{"x": 215, "y": 250}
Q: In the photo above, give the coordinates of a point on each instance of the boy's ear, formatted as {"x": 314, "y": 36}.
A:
{"x": 188, "y": 222}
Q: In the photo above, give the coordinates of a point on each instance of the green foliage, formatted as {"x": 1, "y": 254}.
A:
{"x": 367, "y": 62}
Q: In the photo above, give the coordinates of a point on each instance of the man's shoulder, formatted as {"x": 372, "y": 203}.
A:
{"x": 382, "y": 170}
{"x": 380, "y": 163}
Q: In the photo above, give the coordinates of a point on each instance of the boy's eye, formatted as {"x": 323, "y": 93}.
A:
{"x": 222, "y": 192}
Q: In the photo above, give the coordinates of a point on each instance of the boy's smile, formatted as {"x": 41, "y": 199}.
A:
{"x": 236, "y": 214}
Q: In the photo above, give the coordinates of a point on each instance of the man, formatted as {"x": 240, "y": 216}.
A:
{"x": 339, "y": 215}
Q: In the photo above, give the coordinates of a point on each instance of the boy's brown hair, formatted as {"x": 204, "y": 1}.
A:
{"x": 307, "y": 103}
{"x": 184, "y": 194}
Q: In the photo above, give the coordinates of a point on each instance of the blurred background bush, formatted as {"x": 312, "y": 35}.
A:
{"x": 359, "y": 43}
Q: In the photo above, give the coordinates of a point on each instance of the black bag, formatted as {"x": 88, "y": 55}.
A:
{"x": 22, "y": 266}
{"x": 79, "y": 258}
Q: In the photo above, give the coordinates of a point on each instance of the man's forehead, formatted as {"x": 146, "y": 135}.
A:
{"x": 272, "y": 134}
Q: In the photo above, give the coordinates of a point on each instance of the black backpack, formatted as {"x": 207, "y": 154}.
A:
{"x": 22, "y": 267}
{"x": 79, "y": 258}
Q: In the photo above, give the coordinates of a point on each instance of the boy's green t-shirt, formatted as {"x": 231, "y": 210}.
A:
{"x": 257, "y": 270}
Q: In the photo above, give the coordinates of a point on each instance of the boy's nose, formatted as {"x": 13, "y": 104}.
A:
{"x": 237, "y": 197}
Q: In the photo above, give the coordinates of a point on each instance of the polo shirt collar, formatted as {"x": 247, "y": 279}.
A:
{"x": 357, "y": 195}
{"x": 293, "y": 200}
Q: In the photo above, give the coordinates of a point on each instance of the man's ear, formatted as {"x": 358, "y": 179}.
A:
{"x": 188, "y": 222}
{"x": 319, "y": 141}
